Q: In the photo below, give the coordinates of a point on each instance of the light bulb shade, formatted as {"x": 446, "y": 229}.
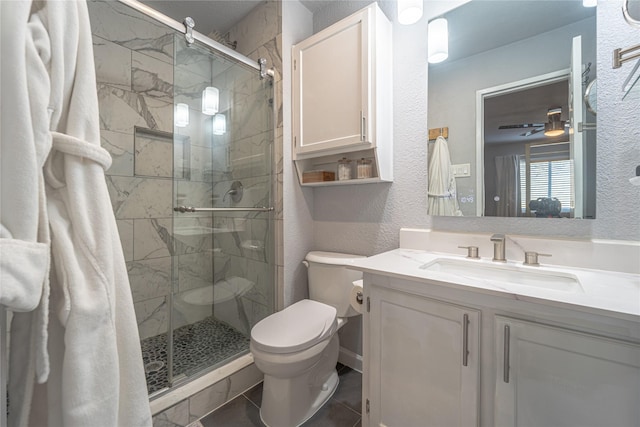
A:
{"x": 589, "y": 3}
{"x": 555, "y": 128}
{"x": 181, "y": 115}
{"x": 409, "y": 11}
{"x": 219, "y": 124}
{"x": 210, "y": 100}
{"x": 438, "y": 40}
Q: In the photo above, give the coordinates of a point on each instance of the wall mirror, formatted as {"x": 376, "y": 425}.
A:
{"x": 516, "y": 72}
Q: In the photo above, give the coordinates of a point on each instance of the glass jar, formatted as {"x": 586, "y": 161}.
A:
{"x": 344, "y": 169}
{"x": 364, "y": 168}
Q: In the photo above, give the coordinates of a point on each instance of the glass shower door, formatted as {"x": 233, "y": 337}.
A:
{"x": 223, "y": 261}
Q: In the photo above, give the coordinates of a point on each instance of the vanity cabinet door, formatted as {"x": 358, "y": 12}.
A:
{"x": 418, "y": 373}
{"x": 548, "y": 376}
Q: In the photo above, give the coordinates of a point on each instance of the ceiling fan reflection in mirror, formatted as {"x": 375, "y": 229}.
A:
{"x": 554, "y": 126}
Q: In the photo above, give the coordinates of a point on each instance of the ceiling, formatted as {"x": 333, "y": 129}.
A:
{"x": 503, "y": 22}
{"x": 210, "y": 15}
{"x": 525, "y": 106}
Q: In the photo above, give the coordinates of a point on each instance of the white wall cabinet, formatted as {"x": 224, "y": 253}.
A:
{"x": 552, "y": 376}
{"x": 540, "y": 365}
{"x": 342, "y": 95}
{"x": 423, "y": 361}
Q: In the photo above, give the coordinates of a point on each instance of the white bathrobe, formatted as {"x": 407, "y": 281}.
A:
{"x": 96, "y": 376}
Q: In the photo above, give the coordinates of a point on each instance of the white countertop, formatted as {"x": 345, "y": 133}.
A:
{"x": 603, "y": 292}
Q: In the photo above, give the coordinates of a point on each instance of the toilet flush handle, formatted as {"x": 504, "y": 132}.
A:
{"x": 306, "y": 264}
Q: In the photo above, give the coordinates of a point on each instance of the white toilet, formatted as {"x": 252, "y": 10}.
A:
{"x": 297, "y": 348}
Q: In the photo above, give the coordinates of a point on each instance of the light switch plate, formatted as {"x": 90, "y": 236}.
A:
{"x": 461, "y": 170}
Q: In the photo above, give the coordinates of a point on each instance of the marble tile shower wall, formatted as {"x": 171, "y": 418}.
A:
{"x": 259, "y": 35}
{"x": 136, "y": 82}
{"x": 134, "y": 74}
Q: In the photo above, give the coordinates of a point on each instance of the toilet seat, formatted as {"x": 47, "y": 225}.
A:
{"x": 297, "y": 327}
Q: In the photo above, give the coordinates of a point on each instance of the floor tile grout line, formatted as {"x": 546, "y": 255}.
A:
{"x": 346, "y": 406}
{"x": 251, "y": 401}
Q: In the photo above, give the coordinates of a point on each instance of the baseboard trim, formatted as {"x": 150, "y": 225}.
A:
{"x": 350, "y": 359}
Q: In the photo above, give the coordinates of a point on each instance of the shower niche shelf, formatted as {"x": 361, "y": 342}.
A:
{"x": 342, "y": 98}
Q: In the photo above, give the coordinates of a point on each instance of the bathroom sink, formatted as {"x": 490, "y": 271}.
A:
{"x": 506, "y": 274}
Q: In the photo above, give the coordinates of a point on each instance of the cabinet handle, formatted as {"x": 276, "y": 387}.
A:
{"x": 465, "y": 340}
{"x": 363, "y": 127}
{"x": 505, "y": 368}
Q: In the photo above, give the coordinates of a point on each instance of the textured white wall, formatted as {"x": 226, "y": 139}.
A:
{"x": 297, "y": 23}
{"x": 365, "y": 219}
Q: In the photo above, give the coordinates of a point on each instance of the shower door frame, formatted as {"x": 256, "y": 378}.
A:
{"x": 192, "y": 36}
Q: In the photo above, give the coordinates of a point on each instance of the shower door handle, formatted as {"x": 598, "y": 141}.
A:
{"x": 183, "y": 209}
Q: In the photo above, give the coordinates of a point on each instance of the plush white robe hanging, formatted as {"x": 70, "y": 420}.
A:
{"x": 97, "y": 377}
{"x": 442, "y": 184}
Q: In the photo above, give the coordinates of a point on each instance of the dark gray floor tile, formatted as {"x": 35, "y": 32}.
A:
{"x": 349, "y": 390}
{"x": 240, "y": 412}
{"x": 333, "y": 414}
{"x": 255, "y": 394}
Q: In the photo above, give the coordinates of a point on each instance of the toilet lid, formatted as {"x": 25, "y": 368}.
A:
{"x": 297, "y": 327}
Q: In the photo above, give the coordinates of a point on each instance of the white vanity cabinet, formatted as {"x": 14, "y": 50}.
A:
{"x": 528, "y": 363}
{"x": 423, "y": 361}
{"x": 342, "y": 95}
{"x": 549, "y": 376}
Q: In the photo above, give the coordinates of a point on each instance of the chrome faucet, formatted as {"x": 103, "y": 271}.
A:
{"x": 498, "y": 248}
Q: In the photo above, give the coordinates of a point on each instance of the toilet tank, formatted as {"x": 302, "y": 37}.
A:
{"x": 330, "y": 281}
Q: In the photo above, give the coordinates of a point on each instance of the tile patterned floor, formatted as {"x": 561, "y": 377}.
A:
{"x": 342, "y": 410}
{"x": 196, "y": 346}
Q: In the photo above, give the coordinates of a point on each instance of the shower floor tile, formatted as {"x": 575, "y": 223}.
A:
{"x": 342, "y": 410}
{"x": 196, "y": 346}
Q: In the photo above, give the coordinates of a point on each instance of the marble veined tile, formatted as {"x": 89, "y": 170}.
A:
{"x": 152, "y": 317}
{"x": 192, "y": 235}
{"x": 177, "y": 415}
{"x": 120, "y": 146}
{"x": 113, "y": 63}
{"x": 251, "y": 115}
{"x": 195, "y": 270}
{"x": 197, "y": 194}
{"x": 123, "y": 25}
{"x": 152, "y": 238}
{"x": 259, "y": 26}
{"x": 189, "y": 87}
{"x": 125, "y": 230}
{"x": 214, "y": 396}
{"x": 195, "y": 60}
{"x": 122, "y": 110}
{"x": 151, "y": 77}
{"x": 153, "y": 156}
{"x": 140, "y": 197}
{"x": 150, "y": 278}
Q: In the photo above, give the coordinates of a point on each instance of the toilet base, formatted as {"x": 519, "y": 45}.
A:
{"x": 290, "y": 401}
{"x": 328, "y": 389}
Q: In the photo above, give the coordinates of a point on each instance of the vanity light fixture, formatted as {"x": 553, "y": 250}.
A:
{"x": 219, "y": 124}
{"x": 210, "y": 100}
{"x": 409, "y": 11}
{"x": 589, "y": 3}
{"x": 182, "y": 115}
{"x": 555, "y": 126}
{"x": 438, "y": 40}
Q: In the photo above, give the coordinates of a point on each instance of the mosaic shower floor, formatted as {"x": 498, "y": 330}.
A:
{"x": 196, "y": 346}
